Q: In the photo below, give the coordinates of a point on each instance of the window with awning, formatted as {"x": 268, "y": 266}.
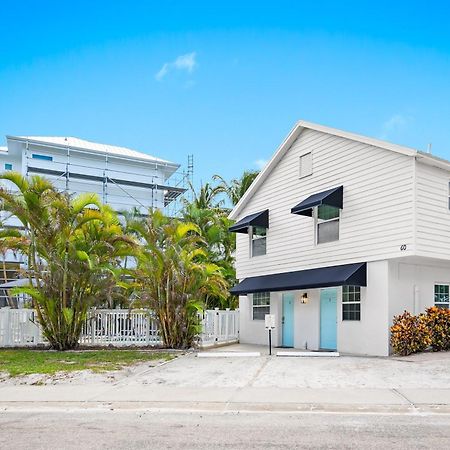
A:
{"x": 325, "y": 207}
{"x": 331, "y": 197}
{"x": 259, "y": 219}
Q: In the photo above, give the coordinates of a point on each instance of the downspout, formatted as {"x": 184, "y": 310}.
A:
{"x": 416, "y": 290}
{"x": 414, "y": 192}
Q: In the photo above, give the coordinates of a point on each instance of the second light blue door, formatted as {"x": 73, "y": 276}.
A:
{"x": 288, "y": 319}
{"x": 328, "y": 318}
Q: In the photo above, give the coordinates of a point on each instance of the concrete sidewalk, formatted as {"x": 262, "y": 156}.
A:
{"x": 226, "y": 399}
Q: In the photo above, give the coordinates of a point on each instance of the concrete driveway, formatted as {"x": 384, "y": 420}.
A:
{"x": 426, "y": 370}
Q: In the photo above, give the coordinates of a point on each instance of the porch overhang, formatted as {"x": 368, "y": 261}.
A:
{"x": 348, "y": 274}
{"x": 260, "y": 219}
{"x": 331, "y": 197}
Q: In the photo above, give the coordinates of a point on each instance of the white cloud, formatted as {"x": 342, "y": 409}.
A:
{"x": 186, "y": 62}
{"x": 261, "y": 163}
{"x": 396, "y": 123}
{"x": 183, "y": 62}
{"x": 162, "y": 72}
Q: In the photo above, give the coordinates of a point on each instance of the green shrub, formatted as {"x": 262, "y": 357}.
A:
{"x": 409, "y": 334}
{"x": 438, "y": 323}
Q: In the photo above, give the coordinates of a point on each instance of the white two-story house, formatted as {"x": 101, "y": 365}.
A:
{"x": 339, "y": 233}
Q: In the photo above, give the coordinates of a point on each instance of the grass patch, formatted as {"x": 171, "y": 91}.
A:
{"x": 17, "y": 362}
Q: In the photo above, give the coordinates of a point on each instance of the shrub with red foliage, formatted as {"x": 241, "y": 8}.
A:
{"x": 409, "y": 334}
{"x": 438, "y": 323}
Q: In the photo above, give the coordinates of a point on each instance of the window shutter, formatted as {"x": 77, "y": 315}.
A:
{"x": 305, "y": 165}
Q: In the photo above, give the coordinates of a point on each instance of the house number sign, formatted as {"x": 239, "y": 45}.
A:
{"x": 403, "y": 247}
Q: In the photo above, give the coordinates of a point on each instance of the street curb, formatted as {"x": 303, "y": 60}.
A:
{"x": 230, "y": 407}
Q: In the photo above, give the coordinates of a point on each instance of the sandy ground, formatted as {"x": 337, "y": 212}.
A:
{"x": 82, "y": 377}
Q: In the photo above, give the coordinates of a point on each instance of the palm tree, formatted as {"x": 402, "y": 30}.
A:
{"x": 206, "y": 197}
{"x": 173, "y": 276}
{"x": 74, "y": 247}
{"x": 219, "y": 244}
{"x": 237, "y": 187}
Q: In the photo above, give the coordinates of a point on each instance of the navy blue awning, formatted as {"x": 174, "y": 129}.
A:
{"x": 259, "y": 219}
{"x": 348, "y": 274}
{"x": 331, "y": 197}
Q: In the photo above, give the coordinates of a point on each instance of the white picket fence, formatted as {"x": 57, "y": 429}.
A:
{"x": 17, "y": 328}
{"x": 219, "y": 327}
{"x": 116, "y": 327}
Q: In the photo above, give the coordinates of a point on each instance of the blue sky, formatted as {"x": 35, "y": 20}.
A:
{"x": 225, "y": 81}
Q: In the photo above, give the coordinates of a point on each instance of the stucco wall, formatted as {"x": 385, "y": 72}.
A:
{"x": 412, "y": 284}
{"x": 254, "y": 331}
{"x": 392, "y": 287}
{"x": 307, "y": 320}
{"x": 370, "y": 335}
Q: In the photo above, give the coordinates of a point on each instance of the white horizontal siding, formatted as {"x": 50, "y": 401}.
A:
{"x": 433, "y": 214}
{"x": 375, "y": 221}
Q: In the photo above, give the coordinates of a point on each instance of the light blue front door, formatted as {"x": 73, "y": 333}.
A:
{"x": 328, "y": 318}
{"x": 288, "y": 319}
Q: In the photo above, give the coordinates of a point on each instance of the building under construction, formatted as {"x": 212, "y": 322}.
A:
{"x": 123, "y": 178}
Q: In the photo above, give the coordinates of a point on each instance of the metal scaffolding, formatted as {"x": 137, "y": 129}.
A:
{"x": 113, "y": 185}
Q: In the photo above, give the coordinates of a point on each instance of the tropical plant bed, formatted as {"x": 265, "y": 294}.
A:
{"x": 20, "y": 362}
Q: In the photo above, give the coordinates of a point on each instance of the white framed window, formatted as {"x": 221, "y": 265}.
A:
{"x": 260, "y": 305}
{"x": 442, "y": 295}
{"x": 42, "y": 157}
{"x": 258, "y": 238}
{"x": 306, "y": 167}
{"x": 351, "y": 303}
{"x": 327, "y": 224}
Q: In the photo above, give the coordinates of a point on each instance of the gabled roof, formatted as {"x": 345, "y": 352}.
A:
{"x": 300, "y": 126}
{"x": 81, "y": 144}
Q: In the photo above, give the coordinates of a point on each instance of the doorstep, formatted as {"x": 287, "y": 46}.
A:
{"x": 308, "y": 354}
{"x": 227, "y": 354}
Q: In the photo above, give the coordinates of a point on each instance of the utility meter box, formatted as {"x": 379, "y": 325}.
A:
{"x": 269, "y": 320}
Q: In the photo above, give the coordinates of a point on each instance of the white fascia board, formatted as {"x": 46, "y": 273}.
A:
{"x": 289, "y": 140}
{"x": 435, "y": 161}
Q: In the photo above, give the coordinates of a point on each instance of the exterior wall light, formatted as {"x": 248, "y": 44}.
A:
{"x": 304, "y": 298}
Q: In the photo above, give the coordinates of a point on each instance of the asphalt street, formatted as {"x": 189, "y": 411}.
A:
{"x": 122, "y": 429}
